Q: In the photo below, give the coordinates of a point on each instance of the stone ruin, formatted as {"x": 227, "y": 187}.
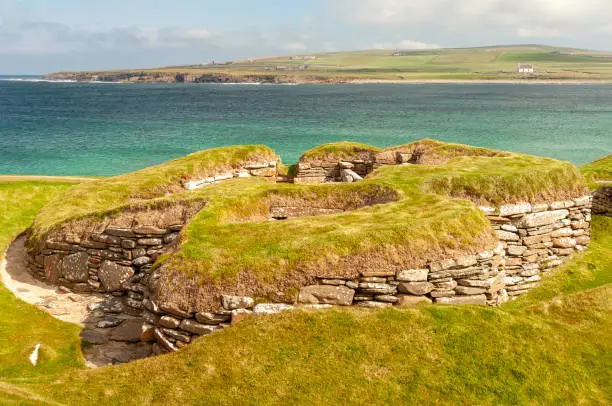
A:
{"x": 116, "y": 260}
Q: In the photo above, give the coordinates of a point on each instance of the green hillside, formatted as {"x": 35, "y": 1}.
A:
{"x": 486, "y": 63}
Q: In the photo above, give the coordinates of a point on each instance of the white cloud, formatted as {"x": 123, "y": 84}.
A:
{"x": 403, "y": 44}
{"x": 542, "y": 18}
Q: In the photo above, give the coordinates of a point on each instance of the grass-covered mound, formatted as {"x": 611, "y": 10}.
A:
{"x": 337, "y": 151}
{"x": 153, "y": 186}
{"x": 552, "y": 346}
{"x": 598, "y": 172}
{"x": 399, "y": 217}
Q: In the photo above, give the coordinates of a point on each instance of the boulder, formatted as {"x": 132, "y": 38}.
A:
{"x": 113, "y": 275}
{"x": 326, "y": 294}
{"x": 74, "y": 267}
{"x": 128, "y": 331}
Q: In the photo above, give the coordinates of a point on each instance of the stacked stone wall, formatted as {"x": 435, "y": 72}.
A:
{"x": 602, "y": 201}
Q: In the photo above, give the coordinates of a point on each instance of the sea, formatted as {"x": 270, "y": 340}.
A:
{"x": 101, "y": 129}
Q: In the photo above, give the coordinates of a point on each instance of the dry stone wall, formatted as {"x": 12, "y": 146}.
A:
{"x": 350, "y": 170}
{"x": 602, "y": 201}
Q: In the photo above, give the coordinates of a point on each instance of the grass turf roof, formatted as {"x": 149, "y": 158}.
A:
{"x": 337, "y": 151}
{"x": 232, "y": 244}
{"x": 598, "y": 172}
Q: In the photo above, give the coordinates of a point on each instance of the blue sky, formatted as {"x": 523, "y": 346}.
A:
{"x": 39, "y": 36}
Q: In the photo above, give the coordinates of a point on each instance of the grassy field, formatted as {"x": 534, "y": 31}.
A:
{"x": 22, "y": 326}
{"x": 552, "y": 346}
{"x": 486, "y": 63}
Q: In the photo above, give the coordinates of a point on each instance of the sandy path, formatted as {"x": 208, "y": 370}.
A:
{"x": 71, "y": 307}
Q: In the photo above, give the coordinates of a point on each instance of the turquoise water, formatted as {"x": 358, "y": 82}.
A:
{"x": 106, "y": 129}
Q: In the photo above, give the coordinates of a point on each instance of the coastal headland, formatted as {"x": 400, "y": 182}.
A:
{"x": 497, "y": 64}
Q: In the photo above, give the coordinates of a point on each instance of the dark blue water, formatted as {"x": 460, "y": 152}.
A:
{"x": 106, "y": 129}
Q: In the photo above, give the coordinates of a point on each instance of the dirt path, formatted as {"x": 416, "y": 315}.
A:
{"x": 68, "y": 307}
{"x": 113, "y": 337}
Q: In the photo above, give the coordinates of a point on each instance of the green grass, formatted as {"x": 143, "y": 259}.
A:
{"x": 552, "y": 346}
{"x": 598, "y": 172}
{"x": 337, "y": 151}
{"x": 22, "y": 326}
{"x": 489, "y": 63}
{"x": 149, "y": 186}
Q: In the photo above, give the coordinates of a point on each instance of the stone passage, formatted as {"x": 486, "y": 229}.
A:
{"x": 602, "y": 201}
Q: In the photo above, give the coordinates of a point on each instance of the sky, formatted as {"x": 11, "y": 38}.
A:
{"x": 43, "y": 36}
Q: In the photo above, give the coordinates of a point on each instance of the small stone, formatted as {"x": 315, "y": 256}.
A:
{"x": 113, "y": 275}
{"x": 507, "y": 236}
{"x": 442, "y": 293}
{"x": 469, "y": 291}
{"x": 416, "y": 288}
{"x": 333, "y": 282}
{"x": 271, "y": 308}
{"x": 541, "y": 219}
{"x": 109, "y": 322}
{"x": 150, "y": 241}
{"x": 564, "y": 242}
{"x": 170, "y": 238}
{"x": 169, "y": 322}
{"x": 509, "y": 227}
{"x": 212, "y": 318}
{"x": 149, "y": 230}
{"x": 147, "y": 333}
{"x": 463, "y": 300}
{"x": 412, "y": 275}
{"x": 326, "y": 294}
{"x": 196, "y": 328}
{"x": 237, "y": 302}
{"x": 445, "y": 285}
{"x": 442, "y": 265}
{"x": 140, "y": 261}
{"x": 163, "y": 341}
{"x": 386, "y": 298}
{"x": 174, "y": 310}
{"x": 128, "y": 244}
{"x": 377, "y": 288}
{"x": 516, "y": 250}
{"x": 409, "y": 300}
{"x": 512, "y": 209}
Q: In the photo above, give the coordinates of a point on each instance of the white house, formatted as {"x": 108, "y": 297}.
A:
{"x": 525, "y": 68}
